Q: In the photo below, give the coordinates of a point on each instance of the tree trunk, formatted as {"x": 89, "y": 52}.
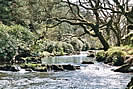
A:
{"x": 101, "y": 38}
{"x": 118, "y": 40}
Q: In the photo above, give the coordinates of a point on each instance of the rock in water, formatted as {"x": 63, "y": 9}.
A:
{"x": 124, "y": 69}
{"x": 91, "y": 55}
{"x": 68, "y": 67}
{"x": 13, "y": 68}
{"x": 57, "y": 67}
{"x": 100, "y": 59}
{"x": 87, "y": 62}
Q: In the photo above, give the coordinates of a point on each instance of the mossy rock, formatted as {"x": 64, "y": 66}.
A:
{"x": 108, "y": 60}
{"x": 130, "y": 52}
{"x": 40, "y": 69}
{"x": 13, "y": 68}
{"x": 33, "y": 60}
{"x": 30, "y": 65}
{"x": 117, "y": 61}
{"x": 115, "y": 51}
{"x": 101, "y": 53}
{"x": 100, "y": 58}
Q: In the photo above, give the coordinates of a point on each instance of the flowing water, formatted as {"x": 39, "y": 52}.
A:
{"x": 94, "y": 76}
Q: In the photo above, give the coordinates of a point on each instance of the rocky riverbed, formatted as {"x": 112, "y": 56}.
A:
{"x": 89, "y": 76}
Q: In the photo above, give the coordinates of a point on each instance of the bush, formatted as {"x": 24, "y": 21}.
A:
{"x": 85, "y": 46}
{"x": 11, "y": 38}
{"x": 8, "y": 45}
{"x": 20, "y": 33}
{"x": 58, "y": 47}
{"x": 50, "y": 46}
{"x": 67, "y": 48}
{"x": 77, "y": 44}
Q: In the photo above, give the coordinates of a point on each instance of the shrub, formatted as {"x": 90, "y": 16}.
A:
{"x": 20, "y": 33}
{"x": 8, "y": 45}
{"x": 50, "y": 46}
{"x": 67, "y": 48}
{"x": 77, "y": 44}
{"x": 11, "y": 38}
{"x": 85, "y": 46}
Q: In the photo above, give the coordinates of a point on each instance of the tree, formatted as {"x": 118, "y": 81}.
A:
{"x": 5, "y": 10}
{"x": 78, "y": 19}
{"x": 107, "y": 17}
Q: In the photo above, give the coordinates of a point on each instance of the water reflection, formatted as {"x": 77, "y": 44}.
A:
{"x": 73, "y": 59}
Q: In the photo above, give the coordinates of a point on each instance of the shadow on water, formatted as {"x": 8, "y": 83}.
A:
{"x": 94, "y": 76}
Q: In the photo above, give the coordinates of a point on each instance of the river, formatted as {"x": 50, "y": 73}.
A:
{"x": 93, "y": 76}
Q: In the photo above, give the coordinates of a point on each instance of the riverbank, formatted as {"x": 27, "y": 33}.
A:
{"x": 118, "y": 56}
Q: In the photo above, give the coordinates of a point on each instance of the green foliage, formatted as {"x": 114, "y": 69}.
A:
{"x": 50, "y": 46}
{"x": 5, "y": 10}
{"x": 67, "y": 48}
{"x": 12, "y": 37}
{"x": 8, "y": 45}
{"x": 31, "y": 65}
{"x": 47, "y": 47}
{"x": 116, "y": 51}
{"x": 100, "y": 53}
{"x": 58, "y": 47}
{"x": 77, "y": 44}
{"x": 20, "y": 33}
{"x": 130, "y": 52}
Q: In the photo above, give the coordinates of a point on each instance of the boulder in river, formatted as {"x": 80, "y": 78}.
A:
{"x": 118, "y": 61}
{"x": 87, "y": 62}
{"x": 124, "y": 69}
{"x": 91, "y": 55}
{"x": 13, "y": 68}
{"x": 108, "y": 60}
{"x": 49, "y": 67}
{"x": 100, "y": 58}
{"x": 69, "y": 67}
{"x": 57, "y": 67}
